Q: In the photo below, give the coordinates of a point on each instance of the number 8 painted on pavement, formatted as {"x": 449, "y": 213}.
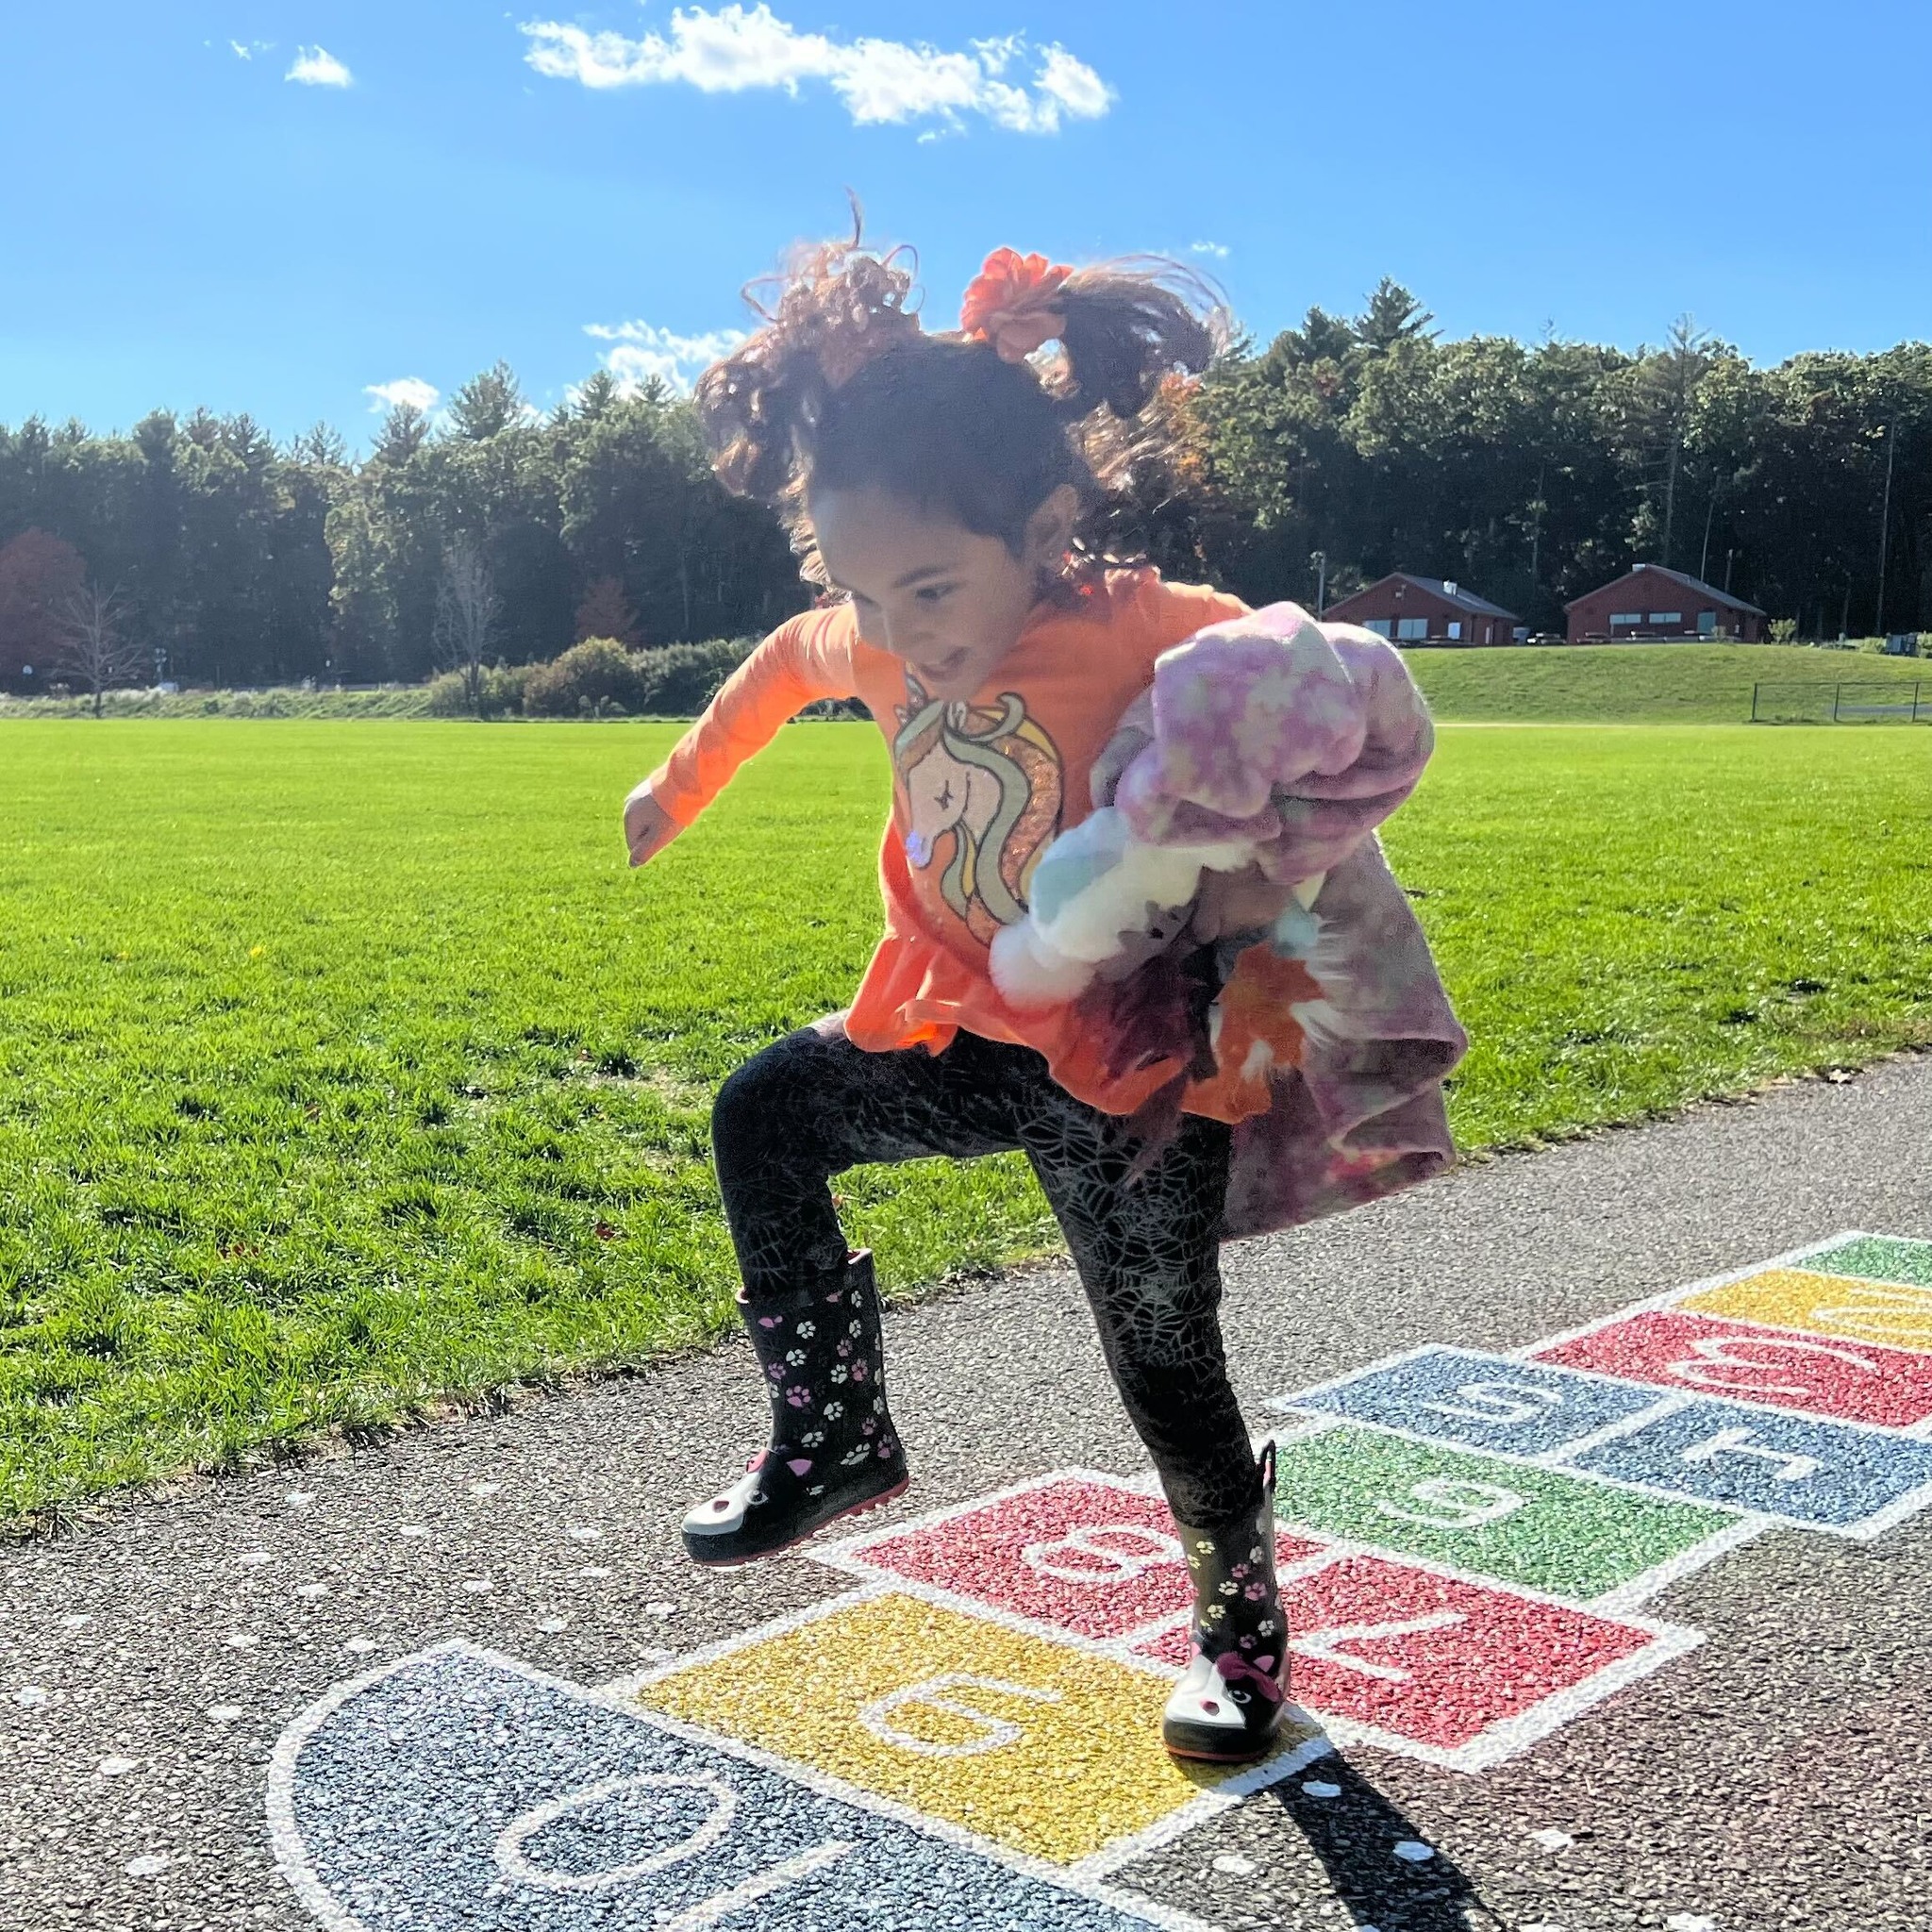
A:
{"x": 1116, "y": 1566}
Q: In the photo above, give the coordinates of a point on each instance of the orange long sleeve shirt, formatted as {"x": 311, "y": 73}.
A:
{"x": 979, "y": 787}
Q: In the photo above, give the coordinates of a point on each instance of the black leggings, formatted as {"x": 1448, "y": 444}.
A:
{"x": 1148, "y": 1252}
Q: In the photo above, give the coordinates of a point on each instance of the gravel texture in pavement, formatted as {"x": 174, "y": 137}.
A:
{"x": 1776, "y": 1774}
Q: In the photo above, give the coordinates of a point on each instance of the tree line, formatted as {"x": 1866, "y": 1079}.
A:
{"x": 1342, "y": 449}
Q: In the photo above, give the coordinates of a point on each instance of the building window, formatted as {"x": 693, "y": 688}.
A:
{"x": 1455, "y": 630}
{"x": 1378, "y": 625}
{"x": 1411, "y": 629}
{"x": 1707, "y": 622}
{"x": 1667, "y": 617}
{"x": 1627, "y": 617}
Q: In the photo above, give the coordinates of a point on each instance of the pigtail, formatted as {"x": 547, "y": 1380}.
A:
{"x": 830, "y": 311}
{"x": 1124, "y": 327}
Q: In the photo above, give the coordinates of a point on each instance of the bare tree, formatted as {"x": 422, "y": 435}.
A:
{"x": 467, "y": 612}
{"x": 93, "y": 650}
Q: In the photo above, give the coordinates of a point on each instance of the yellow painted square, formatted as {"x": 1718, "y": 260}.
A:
{"x": 1882, "y": 1311}
{"x": 1035, "y": 1745}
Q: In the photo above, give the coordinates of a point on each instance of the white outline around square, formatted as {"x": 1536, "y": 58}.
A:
{"x": 1084, "y": 1878}
{"x": 292, "y": 1862}
{"x": 1668, "y": 1402}
{"x": 1492, "y": 1746}
{"x": 1108, "y": 1858}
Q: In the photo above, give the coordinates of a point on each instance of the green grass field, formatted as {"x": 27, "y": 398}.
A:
{"x": 345, "y": 1069}
{"x": 1682, "y": 684}
{"x": 1657, "y": 684}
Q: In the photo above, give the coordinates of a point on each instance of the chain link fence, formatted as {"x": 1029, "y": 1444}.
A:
{"x": 1848, "y": 701}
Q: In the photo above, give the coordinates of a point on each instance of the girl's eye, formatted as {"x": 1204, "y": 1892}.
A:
{"x": 931, "y": 593}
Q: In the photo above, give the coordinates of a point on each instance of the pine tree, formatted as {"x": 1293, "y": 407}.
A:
{"x": 605, "y": 612}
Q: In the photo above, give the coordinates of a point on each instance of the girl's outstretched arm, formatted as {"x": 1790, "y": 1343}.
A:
{"x": 802, "y": 661}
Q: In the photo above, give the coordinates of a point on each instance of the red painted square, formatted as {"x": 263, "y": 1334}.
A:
{"x": 1091, "y": 1558}
{"x": 1428, "y": 1658}
{"x": 1852, "y": 1381}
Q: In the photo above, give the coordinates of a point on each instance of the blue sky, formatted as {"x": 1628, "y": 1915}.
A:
{"x": 289, "y": 208}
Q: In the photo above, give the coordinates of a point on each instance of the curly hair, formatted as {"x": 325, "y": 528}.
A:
{"x": 842, "y": 388}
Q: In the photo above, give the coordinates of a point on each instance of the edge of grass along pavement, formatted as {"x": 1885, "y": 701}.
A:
{"x": 348, "y": 1075}
{"x": 1549, "y": 684}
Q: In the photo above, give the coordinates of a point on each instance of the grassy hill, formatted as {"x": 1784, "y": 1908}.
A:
{"x": 1682, "y": 684}
{"x": 1685, "y": 684}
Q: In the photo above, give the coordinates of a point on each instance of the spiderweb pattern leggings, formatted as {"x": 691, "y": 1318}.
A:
{"x": 812, "y": 1105}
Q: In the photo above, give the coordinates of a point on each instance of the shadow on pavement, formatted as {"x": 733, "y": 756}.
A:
{"x": 1354, "y": 1837}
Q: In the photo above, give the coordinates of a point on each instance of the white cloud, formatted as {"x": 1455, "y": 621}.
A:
{"x": 410, "y": 390}
{"x": 247, "y": 50}
{"x": 318, "y": 66}
{"x": 1219, "y": 250}
{"x": 737, "y": 48}
{"x": 641, "y": 351}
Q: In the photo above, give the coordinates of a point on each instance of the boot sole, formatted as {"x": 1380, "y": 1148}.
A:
{"x": 744, "y": 1560}
{"x": 1192, "y": 1747}
{"x": 1192, "y": 1756}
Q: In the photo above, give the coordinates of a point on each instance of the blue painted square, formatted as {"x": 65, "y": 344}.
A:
{"x": 459, "y": 1794}
{"x": 1821, "y": 1474}
{"x": 1479, "y": 1401}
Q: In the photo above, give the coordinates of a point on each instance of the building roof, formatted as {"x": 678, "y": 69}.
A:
{"x": 1451, "y": 594}
{"x": 1678, "y": 577}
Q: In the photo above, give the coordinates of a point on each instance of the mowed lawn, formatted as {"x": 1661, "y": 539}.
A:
{"x": 345, "y": 1069}
{"x": 1681, "y": 684}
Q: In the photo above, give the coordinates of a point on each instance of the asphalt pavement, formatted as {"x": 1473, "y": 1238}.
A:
{"x": 467, "y": 1678}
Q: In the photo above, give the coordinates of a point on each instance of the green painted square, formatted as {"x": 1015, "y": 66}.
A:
{"x": 1565, "y": 1536}
{"x": 1877, "y": 1257}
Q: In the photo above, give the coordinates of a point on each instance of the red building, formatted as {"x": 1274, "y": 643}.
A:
{"x": 1425, "y": 611}
{"x": 1653, "y": 602}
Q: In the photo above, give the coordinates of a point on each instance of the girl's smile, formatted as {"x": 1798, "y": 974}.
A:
{"x": 949, "y": 603}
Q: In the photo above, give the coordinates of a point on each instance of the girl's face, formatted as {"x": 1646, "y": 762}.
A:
{"x": 949, "y": 603}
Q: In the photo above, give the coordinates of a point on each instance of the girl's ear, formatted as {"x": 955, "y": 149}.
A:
{"x": 1050, "y": 528}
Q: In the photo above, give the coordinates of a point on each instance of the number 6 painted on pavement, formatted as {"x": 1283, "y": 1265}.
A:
{"x": 995, "y": 1733}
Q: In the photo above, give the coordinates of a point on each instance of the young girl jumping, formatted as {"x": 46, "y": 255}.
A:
{"x": 1136, "y": 923}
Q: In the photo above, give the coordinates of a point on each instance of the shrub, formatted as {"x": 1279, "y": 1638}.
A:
{"x": 593, "y": 676}
{"x": 1784, "y": 630}
{"x": 502, "y": 692}
{"x": 600, "y": 678}
{"x": 679, "y": 681}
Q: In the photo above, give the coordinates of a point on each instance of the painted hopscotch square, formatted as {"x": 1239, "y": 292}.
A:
{"x": 1035, "y": 1746}
{"x": 1479, "y": 1401}
{"x": 1862, "y": 1382}
{"x": 1537, "y": 1527}
{"x": 1877, "y": 1257}
{"x": 1845, "y": 1306}
{"x": 1796, "y": 1469}
{"x": 458, "y": 1787}
{"x": 1089, "y": 1557}
{"x": 1448, "y": 1670}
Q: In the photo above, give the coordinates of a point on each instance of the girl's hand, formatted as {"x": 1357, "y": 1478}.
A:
{"x": 647, "y": 826}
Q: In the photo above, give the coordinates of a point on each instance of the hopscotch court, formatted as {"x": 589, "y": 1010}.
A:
{"x": 1467, "y": 1542}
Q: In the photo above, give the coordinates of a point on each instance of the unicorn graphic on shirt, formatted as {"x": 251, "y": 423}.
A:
{"x": 980, "y": 797}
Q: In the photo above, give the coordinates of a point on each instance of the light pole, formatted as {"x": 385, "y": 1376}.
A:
{"x": 1885, "y": 526}
{"x": 1320, "y": 560}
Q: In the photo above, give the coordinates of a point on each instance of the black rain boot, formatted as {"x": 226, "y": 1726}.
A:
{"x": 1227, "y": 1708}
{"x": 833, "y": 1449}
